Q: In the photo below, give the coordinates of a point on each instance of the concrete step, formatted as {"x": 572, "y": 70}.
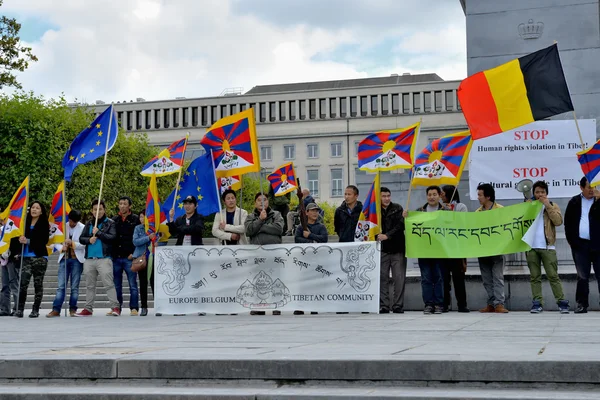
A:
{"x": 174, "y": 390}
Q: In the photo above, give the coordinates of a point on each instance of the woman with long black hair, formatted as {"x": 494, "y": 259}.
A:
{"x": 32, "y": 247}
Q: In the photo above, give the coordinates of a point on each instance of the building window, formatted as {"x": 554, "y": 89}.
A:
{"x": 282, "y": 110}
{"x": 312, "y": 108}
{"x": 458, "y": 104}
{"x": 312, "y": 176}
{"x": 223, "y": 111}
{"x": 363, "y": 106}
{"x": 129, "y": 120}
{"x": 395, "y": 104}
{"x": 272, "y": 111}
{"x": 449, "y": 100}
{"x": 264, "y": 173}
{"x": 438, "y": 101}
{"x": 232, "y": 109}
{"x": 356, "y": 144}
{"x": 138, "y": 120}
{"x": 336, "y": 149}
{"x": 374, "y": 105}
{"x": 332, "y": 110}
{"x": 417, "y": 102}
{"x": 405, "y": 103}
{"x": 213, "y": 114}
{"x": 192, "y": 154}
{"x": 156, "y": 119}
{"x": 302, "y": 109}
{"x": 343, "y": 107}
{"x": 384, "y": 104}
{"x": 337, "y": 183}
{"x": 194, "y": 116}
{"x": 289, "y": 151}
{"x": 167, "y": 118}
{"x": 292, "y": 108}
{"x": 204, "y": 116}
{"x": 353, "y": 106}
{"x": 148, "y": 114}
{"x": 263, "y": 112}
{"x": 186, "y": 116}
{"x": 312, "y": 150}
{"x": 242, "y": 107}
{"x": 119, "y": 117}
{"x": 322, "y": 107}
{"x": 176, "y": 117}
{"x": 427, "y": 101}
{"x": 266, "y": 153}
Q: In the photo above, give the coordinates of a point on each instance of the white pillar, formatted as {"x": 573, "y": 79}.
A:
{"x": 443, "y": 102}
{"x": 411, "y": 99}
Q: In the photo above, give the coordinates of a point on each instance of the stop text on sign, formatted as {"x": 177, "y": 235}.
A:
{"x": 531, "y": 135}
{"x": 534, "y": 172}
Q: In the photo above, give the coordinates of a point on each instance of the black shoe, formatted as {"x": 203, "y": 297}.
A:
{"x": 581, "y": 310}
{"x": 384, "y": 310}
{"x": 445, "y": 309}
{"x": 13, "y": 313}
{"x": 276, "y": 312}
{"x": 463, "y": 310}
{"x": 19, "y": 314}
{"x": 341, "y": 312}
{"x": 144, "y": 312}
{"x": 398, "y": 310}
{"x": 313, "y": 313}
{"x": 4, "y": 314}
{"x": 34, "y": 314}
{"x": 298, "y": 312}
{"x": 158, "y": 314}
{"x": 256, "y": 312}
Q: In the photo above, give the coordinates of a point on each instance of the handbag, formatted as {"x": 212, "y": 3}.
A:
{"x": 140, "y": 263}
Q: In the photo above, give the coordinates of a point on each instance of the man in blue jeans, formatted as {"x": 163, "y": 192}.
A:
{"x": 123, "y": 248}
{"x": 70, "y": 266}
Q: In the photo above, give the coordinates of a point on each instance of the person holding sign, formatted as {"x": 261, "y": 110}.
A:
{"x": 492, "y": 267}
{"x": 543, "y": 250}
{"x": 582, "y": 229}
{"x": 432, "y": 282}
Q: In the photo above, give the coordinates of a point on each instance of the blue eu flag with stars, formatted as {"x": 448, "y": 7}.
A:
{"x": 199, "y": 181}
{"x": 90, "y": 144}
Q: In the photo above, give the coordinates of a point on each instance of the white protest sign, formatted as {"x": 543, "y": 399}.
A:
{"x": 542, "y": 150}
{"x": 336, "y": 277}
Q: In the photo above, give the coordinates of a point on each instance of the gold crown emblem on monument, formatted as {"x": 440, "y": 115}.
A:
{"x": 531, "y": 30}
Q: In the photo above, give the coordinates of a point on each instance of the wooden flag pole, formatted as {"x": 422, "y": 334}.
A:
{"x": 241, "y": 195}
{"x": 112, "y": 114}
{"x": 579, "y": 131}
{"x": 187, "y": 135}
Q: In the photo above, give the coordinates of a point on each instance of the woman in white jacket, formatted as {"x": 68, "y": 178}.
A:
{"x": 229, "y": 223}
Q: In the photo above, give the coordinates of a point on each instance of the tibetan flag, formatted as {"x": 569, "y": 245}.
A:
{"x": 443, "y": 160}
{"x": 168, "y": 161}
{"x": 155, "y": 220}
{"x": 59, "y": 211}
{"x": 590, "y": 163}
{"x": 234, "y": 145}
{"x": 199, "y": 181}
{"x": 388, "y": 150}
{"x": 517, "y": 93}
{"x": 91, "y": 143}
{"x": 15, "y": 215}
{"x": 229, "y": 182}
{"x": 283, "y": 179}
{"x": 369, "y": 221}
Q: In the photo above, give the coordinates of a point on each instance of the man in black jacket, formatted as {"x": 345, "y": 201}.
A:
{"x": 392, "y": 254}
{"x": 189, "y": 227}
{"x": 346, "y": 215}
{"x": 582, "y": 229}
{"x": 98, "y": 241}
{"x": 123, "y": 248}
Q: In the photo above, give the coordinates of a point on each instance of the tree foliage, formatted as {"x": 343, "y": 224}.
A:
{"x": 35, "y": 134}
{"x": 13, "y": 55}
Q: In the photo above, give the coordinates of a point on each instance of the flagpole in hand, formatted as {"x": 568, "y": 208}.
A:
{"x": 112, "y": 114}
{"x": 187, "y": 135}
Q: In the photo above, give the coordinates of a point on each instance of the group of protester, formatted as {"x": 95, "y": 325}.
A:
{"x": 106, "y": 247}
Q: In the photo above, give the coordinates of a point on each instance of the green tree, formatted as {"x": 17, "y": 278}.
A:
{"x": 13, "y": 55}
{"x": 35, "y": 135}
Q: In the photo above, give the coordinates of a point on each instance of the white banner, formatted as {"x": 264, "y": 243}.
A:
{"x": 336, "y": 277}
{"x": 542, "y": 150}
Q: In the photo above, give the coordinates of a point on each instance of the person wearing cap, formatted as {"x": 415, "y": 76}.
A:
{"x": 189, "y": 227}
{"x": 315, "y": 232}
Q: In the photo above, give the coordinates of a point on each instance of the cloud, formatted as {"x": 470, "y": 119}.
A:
{"x": 119, "y": 50}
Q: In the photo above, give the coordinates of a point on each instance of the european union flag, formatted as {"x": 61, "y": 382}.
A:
{"x": 198, "y": 180}
{"x": 90, "y": 144}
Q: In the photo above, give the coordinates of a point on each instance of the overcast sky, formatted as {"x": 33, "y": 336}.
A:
{"x": 115, "y": 50}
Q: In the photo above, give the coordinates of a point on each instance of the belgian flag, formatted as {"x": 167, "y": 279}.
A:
{"x": 530, "y": 88}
